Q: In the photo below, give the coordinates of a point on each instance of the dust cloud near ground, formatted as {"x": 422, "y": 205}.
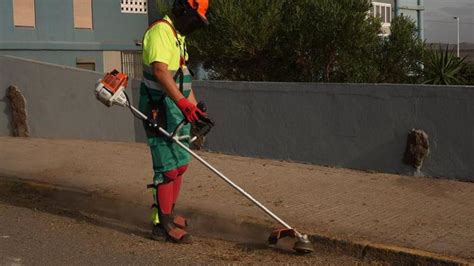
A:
{"x": 73, "y": 202}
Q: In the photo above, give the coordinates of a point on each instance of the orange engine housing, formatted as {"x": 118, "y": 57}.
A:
{"x": 114, "y": 80}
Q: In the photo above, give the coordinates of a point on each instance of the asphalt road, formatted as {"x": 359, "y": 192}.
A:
{"x": 34, "y": 231}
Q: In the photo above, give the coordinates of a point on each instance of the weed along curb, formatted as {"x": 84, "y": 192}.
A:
{"x": 80, "y": 203}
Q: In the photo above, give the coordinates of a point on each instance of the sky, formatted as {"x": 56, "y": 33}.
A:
{"x": 440, "y": 25}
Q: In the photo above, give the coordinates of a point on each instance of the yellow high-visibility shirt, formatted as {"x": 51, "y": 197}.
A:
{"x": 161, "y": 45}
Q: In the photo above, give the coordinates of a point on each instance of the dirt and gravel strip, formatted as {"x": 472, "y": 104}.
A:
{"x": 418, "y": 213}
{"x": 43, "y": 234}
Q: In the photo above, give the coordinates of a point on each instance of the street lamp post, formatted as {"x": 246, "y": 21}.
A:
{"x": 459, "y": 22}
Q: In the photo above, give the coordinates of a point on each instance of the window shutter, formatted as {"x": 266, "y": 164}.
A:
{"x": 24, "y": 13}
{"x": 82, "y": 14}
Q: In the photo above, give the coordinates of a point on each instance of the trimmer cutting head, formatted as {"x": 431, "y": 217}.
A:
{"x": 302, "y": 245}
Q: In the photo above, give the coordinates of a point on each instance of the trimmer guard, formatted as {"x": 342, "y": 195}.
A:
{"x": 280, "y": 233}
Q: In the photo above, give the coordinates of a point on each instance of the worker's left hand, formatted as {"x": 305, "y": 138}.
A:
{"x": 190, "y": 111}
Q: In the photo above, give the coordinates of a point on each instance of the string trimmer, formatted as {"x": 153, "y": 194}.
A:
{"x": 111, "y": 91}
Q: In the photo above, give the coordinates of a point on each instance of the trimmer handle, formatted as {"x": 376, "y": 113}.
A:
{"x": 178, "y": 128}
{"x": 203, "y": 125}
{"x": 202, "y": 106}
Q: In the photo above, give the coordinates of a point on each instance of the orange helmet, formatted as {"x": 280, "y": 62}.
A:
{"x": 200, "y": 6}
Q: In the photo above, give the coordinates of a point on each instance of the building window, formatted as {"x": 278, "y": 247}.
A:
{"x": 377, "y": 11}
{"x": 86, "y": 63}
{"x": 82, "y": 14}
{"x": 134, "y": 6}
{"x": 388, "y": 14}
{"x": 24, "y": 13}
{"x": 383, "y": 11}
{"x": 132, "y": 64}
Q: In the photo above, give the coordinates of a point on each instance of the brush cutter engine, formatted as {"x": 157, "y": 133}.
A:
{"x": 110, "y": 89}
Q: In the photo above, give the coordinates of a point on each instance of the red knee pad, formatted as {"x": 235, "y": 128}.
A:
{"x": 182, "y": 169}
{"x": 172, "y": 174}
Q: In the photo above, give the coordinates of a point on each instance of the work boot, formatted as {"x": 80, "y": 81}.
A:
{"x": 158, "y": 233}
{"x": 174, "y": 233}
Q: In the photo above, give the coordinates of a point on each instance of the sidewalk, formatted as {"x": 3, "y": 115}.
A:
{"x": 424, "y": 214}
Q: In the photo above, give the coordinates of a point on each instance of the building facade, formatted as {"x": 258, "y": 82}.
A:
{"x": 387, "y": 9}
{"x": 97, "y": 35}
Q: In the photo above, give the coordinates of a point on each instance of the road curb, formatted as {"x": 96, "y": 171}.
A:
{"x": 387, "y": 253}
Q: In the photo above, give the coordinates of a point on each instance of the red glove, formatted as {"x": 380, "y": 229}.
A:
{"x": 189, "y": 110}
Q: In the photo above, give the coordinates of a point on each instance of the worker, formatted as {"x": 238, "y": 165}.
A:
{"x": 166, "y": 95}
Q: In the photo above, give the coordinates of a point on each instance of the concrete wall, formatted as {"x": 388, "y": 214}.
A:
{"x": 61, "y": 103}
{"x": 343, "y": 125}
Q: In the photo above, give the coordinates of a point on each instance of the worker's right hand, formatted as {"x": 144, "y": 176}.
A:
{"x": 189, "y": 110}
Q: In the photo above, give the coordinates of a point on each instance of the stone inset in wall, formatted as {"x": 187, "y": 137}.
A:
{"x": 19, "y": 115}
{"x": 417, "y": 149}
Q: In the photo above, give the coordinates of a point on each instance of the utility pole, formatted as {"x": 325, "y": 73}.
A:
{"x": 459, "y": 22}
{"x": 417, "y": 6}
{"x": 421, "y": 23}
